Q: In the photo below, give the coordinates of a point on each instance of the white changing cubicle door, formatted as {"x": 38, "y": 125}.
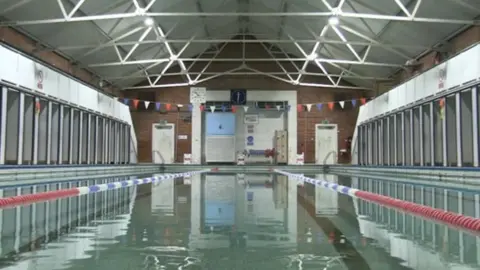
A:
{"x": 326, "y": 143}
{"x": 163, "y": 143}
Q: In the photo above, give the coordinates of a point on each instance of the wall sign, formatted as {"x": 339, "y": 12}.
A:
{"x": 250, "y": 128}
{"x": 182, "y": 137}
{"x": 238, "y": 96}
{"x": 251, "y": 119}
{"x": 250, "y": 140}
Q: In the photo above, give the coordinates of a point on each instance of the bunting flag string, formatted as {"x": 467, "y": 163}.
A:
{"x": 168, "y": 106}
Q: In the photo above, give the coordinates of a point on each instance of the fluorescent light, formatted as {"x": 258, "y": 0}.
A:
{"x": 149, "y": 21}
{"x": 333, "y": 20}
{"x": 312, "y": 56}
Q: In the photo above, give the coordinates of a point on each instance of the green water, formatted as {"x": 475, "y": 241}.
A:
{"x": 229, "y": 221}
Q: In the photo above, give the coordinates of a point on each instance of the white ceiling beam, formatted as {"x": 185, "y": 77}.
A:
{"x": 403, "y": 8}
{"x": 132, "y": 50}
{"x": 373, "y": 42}
{"x": 75, "y": 8}
{"x": 223, "y": 40}
{"x": 278, "y": 63}
{"x": 228, "y": 73}
{"x": 170, "y": 74}
{"x": 344, "y": 39}
{"x": 62, "y": 8}
{"x": 14, "y": 6}
{"x": 236, "y": 14}
{"x": 209, "y": 63}
{"x": 320, "y": 60}
{"x": 417, "y": 6}
{"x": 168, "y": 85}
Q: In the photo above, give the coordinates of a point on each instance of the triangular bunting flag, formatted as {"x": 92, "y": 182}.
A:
{"x": 212, "y": 109}
{"x": 190, "y": 107}
{"x": 158, "y": 105}
{"x": 146, "y": 104}
{"x": 342, "y": 104}
{"x": 354, "y": 102}
{"x": 278, "y": 107}
{"x": 168, "y": 106}
{"x": 267, "y": 106}
{"x": 363, "y": 101}
{"x": 309, "y": 107}
{"x": 289, "y": 107}
{"x": 441, "y": 102}
{"x": 38, "y": 105}
{"x": 331, "y": 105}
{"x": 135, "y": 103}
{"x": 202, "y": 107}
{"x": 245, "y": 108}
{"x": 319, "y": 106}
{"x": 234, "y": 109}
{"x": 299, "y": 107}
{"x": 125, "y": 101}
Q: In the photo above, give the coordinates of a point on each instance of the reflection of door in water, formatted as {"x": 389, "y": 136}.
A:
{"x": 326, "y": 200}
{"x": 326, "y": 143}
{"x": 163, "y": 143}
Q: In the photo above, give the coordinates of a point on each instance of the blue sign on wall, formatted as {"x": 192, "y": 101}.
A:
{"x": 250, "y": 140}
{"x": 220, "y": 124}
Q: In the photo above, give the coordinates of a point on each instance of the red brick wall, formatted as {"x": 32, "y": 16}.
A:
{"x": 463, "y": 40}
{"x": 346, "y": 118}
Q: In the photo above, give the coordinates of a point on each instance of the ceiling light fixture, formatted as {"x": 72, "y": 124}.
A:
{"x": 312, "y": 56}
{"x": 148, "y": 21}
{"x": 334, "y": 20}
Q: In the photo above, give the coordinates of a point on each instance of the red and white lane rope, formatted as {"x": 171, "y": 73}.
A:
{"x": 453, "y": 219}
{"x": 13, "y": 201}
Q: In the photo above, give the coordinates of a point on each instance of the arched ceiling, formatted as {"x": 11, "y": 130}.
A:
{"x": 350, "y": 42}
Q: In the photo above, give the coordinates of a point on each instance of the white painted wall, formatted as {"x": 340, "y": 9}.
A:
{"x": 460, "y": 69}
{"x": 252, "y": 95}
{"x": 18, "y": 70}
{"x": 264, "y": 130}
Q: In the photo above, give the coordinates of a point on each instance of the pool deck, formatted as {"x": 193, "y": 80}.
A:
{"x": 453, "y": 175}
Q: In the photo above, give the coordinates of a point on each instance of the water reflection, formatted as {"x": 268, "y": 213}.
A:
{"x": 234, "y": 221}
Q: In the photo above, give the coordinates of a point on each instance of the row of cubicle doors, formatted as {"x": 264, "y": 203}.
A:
{"x": 35, "y": 130}
{"x": 440, "y": 132}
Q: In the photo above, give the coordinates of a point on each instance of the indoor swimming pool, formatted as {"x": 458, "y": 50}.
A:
{"x": 234, "y": 221}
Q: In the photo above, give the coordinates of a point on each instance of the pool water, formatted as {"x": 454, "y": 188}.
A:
{"x": 236, "y": 221}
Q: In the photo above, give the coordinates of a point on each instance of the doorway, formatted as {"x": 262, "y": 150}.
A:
{"x": 326, "y": 143}
{"x": 163, "y": 143}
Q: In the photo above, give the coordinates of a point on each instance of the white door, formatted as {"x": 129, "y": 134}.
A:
{"x": 326, "y": 200}
{"x": 163, "y": 194}
{"x": 163, "y": 143}
{"x": 326, "y": 143}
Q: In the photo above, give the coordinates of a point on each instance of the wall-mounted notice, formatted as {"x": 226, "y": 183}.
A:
{"x": 182, "y": 137}
{"x": 250, "y": 140}
{"x": 251, "y": 119}
{"x": 250, "y": 129}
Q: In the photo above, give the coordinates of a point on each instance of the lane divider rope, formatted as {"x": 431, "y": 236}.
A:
{"x": 453, "y": 219}
{"x": 13, "y": 201}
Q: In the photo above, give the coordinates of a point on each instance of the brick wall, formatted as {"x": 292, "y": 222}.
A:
{"x": 346, "y": 118}
{"x": 463, "y": 40}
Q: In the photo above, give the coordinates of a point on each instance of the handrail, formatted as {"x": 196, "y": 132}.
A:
{"x": 159, "y": 155}
{"x": 133, "y": 149}
{"x": 328, "y": 155}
